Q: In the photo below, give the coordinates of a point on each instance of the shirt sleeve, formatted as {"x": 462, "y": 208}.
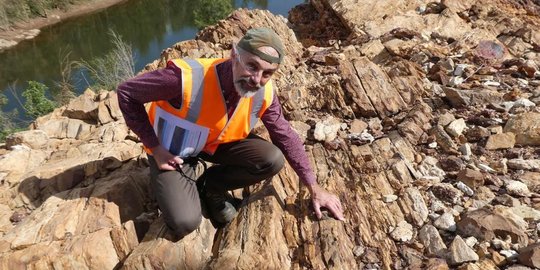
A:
{"x": 288, "y": 141}
{"x": 161, "y": 84}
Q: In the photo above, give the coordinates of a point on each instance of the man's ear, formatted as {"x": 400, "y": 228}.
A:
{"x": 233, "y": 50}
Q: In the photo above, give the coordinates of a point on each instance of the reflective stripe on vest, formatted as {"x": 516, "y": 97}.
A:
{"x": 203, "y": 104}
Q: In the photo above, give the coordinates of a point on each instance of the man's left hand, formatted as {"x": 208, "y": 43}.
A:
{"x": 322, "y": 198}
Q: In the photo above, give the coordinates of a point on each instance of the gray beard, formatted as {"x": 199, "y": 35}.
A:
{"x": 241, "y": 91}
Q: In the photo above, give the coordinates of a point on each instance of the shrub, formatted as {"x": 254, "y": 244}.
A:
{"x": 210, "y": 11}
{"x": 36, "y": 103}
{"x": 115, "y": 67}
{"x": 7, "y": 120}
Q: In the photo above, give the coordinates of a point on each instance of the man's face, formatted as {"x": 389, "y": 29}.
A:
{"x": 250, "y": 72}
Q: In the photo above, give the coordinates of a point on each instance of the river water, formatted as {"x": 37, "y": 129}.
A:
{"x": 149, "y": 26}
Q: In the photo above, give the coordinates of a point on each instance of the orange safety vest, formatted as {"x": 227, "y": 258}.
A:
{"x": 202, "y": 122}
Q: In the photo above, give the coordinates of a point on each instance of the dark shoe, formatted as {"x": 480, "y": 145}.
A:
{"x": 219, "y": 206}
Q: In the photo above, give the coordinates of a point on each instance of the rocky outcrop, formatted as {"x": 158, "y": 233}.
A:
{"x": 413, "y": 128}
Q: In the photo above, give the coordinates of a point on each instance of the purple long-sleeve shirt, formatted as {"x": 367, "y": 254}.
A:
{"x": 165, "y": 84}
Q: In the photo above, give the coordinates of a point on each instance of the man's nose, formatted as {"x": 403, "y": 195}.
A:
{"x": 256, "y": 77}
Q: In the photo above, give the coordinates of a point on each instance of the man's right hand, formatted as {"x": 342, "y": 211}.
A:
{"x": 165, "y": 160}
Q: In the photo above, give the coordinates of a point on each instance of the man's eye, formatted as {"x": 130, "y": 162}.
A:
{"x": 252, "y": 67}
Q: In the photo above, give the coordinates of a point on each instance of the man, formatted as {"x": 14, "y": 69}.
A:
{"x": 205, "y": 109}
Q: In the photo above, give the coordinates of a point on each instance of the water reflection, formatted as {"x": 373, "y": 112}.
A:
{"x": 148, "y": 25}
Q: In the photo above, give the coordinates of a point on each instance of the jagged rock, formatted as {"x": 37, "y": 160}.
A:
{"x": 501, "y": 141}
{"x": 429, "y": 167}
{"x": 412, "y": 257}
{"x": 17, "y": 163}
{"x": 471, "y": 241}
{"x": 500, "y": 166}
{"x": 462, "y": 98}
{"x": 460, "y": 252}
{"x": 445, "y": 222}
{"x": 465, "y": 149}
{"x": 477, "y": 133}
{"x": 358, "y": 126}
{"x": 34, "y": 139}
{"x": 389, "y": 198}
{"x": 526, "y": 128}
{"x": 517, "y": 188}
{"x": 84, "y": 217}
{"x": 509, "y": 254}
{"x": 507, "y": 200}
{"x": 525, "y": 212}
{"x": 398, "y": 47}
{"x": 445, "y": 119}
{"x": 532, "y": 180}
{"x": 521, "y": 164}
{"x": 327, "y": 130}
{"x": 471, "y": 178}
{"x": 456, "y": 127}
{"x": 417, "y": 209}
{"x": 530, "y": 256}
{"x": 498, "y": 259}
{"x": 364, "y": 78}
{"x": 430, "y": 238}
{"x": 444, "y": 140}
{"x": 436, "y": 264}
{"x": 487, "y": 223}
{"x": 484, "y": 264}
{"x": 64, "y": 128}
{"x": 501, "y": 244}
{"x": 452, "y": 163}
{"x": 464, "y": 188}
{"x": 446, "y": 192}
{"x": 83, "y": 107}
{"x": 403, "y": 231}
{"x": 372, "y": 49}
{"x": 157, "y": 251}
{"x": 484, "y": 194}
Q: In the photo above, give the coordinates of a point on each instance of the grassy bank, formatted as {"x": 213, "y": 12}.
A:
{"x": 13, "y": 11}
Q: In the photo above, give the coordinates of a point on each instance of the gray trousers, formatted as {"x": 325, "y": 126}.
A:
{"x": 237, "y": 164}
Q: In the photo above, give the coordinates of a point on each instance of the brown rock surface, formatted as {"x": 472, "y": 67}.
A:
{"x": 471, "y": 178}
{"x": 530, "y": 256}
{"x": 79, "y": 196}
{"x": 501, "y": 141}
{"x": 526, "y": 127}
{"x": 487, "y": 223}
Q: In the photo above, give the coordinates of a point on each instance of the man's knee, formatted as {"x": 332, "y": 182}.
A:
{"x": 184, "y": 225}
{"x": 273, "y": 162}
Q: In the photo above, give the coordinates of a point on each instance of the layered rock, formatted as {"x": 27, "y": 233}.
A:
{"x": 408, "y": 126}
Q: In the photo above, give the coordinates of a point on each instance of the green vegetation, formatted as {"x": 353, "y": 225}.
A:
{"x": 7, "y": 125}
{"x": 16, "y": 10}
{"x": 106, "y": 73}
{"x": 210, "y": 11}
{"x": 36, "y": 103}
{"x": 109, "y": 71}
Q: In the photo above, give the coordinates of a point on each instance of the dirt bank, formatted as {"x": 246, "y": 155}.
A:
{"x": 30, "y": 28}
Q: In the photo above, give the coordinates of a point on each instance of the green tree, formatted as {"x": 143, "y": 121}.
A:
{"x": 210, "y": 11}
{"x": 36, "y": 103}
